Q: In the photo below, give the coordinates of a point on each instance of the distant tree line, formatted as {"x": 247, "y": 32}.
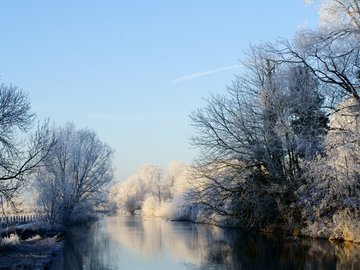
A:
{"x": 151, "y": 189}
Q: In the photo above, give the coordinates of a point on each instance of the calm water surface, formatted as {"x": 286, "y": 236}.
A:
{"x": 132, "y": 242}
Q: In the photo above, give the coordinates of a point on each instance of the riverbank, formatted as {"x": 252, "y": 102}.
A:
{"x": 341, "y": 227}
{"x": 29, "y": 246}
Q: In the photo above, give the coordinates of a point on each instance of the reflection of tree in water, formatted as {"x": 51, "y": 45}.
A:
{"x": 149, "y": 238}
{"x": 347, "y": 254}
{"x": 208, "y": 247}
{"x": 83, "y": 250}
{"x": 198, "y": 247}
{"x": 253, "y": 251}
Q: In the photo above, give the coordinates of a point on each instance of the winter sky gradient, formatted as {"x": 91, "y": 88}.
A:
{"x": 134, "y": 70}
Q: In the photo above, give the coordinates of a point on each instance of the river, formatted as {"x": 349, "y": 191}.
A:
{"x": 133, "y": 242}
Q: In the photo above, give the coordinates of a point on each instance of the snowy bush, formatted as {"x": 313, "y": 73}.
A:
{"x": 181, "y": 208}
{"x": 331, "y": 197}
{"x": 346, "y": 225}
{"x": 13, "y": 239}
{"x": 150, "y": 206}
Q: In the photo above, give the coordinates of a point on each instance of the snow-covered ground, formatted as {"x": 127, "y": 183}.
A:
{"x": 28, "y": 246}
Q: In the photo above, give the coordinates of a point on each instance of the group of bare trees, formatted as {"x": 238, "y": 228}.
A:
{"x": 71, "y": 168}
{"x": 259, "y": 141}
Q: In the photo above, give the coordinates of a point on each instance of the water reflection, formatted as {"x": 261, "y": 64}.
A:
{"x": 136, "y": 243}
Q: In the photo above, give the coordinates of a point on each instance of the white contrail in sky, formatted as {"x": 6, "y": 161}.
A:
{"x": 204, "y": 73}
{"x": 102, "y": 116}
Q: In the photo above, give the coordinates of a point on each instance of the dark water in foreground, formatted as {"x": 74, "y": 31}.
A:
{"x": 126, "y": 242}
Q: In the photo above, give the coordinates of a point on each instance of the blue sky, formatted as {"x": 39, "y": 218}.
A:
{"x": 134, "y": 70}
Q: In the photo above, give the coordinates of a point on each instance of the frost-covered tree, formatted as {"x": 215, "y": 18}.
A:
{"x": 175, "y": 179}
{"x": 253, "y": 139}
{"x": 330, "y": 52}
{"x": 73, "y": 180}
{"x": 340, "y": 14}
{"x": 129, "y": 195}
{"x": 154, "y": 179}
{"x": 307, "y": 118}
{"x": 331, "y": 197}
{"x": 20, "y": 154}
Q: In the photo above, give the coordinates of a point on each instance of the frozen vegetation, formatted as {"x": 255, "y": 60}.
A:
{"x": 279, "y": 151}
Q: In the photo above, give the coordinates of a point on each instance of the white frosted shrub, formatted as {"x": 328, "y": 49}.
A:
{"x": 330, "y": 200}
{"x": 149, "y": 206}
{"x": 13, "y": 239}
{"x": 346, "y": 226}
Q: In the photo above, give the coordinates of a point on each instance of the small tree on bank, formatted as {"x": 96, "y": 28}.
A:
{"x": 73, "y": 180}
